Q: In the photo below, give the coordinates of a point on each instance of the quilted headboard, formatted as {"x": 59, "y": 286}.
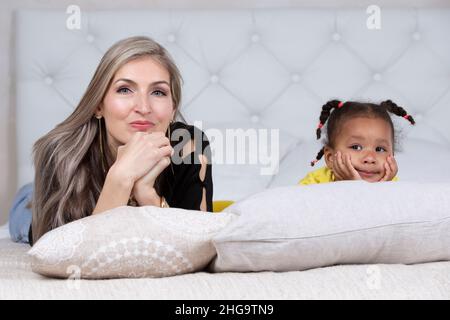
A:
{"x": 254, "y": 69}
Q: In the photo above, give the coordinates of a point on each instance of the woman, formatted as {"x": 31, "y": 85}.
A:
{"x": 115, "y": 149}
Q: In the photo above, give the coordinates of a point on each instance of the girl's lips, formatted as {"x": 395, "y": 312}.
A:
{"x": 367, "y": 174}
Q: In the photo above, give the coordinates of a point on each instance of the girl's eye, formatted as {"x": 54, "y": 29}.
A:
{"x": 123, "y": 90}
{"x": 380, "y": 149}
{"x": 159, "y": 93}
{"x": 356, "y": 147}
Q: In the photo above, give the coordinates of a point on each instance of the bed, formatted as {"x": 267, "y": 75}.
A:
{"x": 224, "y": 88}
{"x": 423, "y": 281}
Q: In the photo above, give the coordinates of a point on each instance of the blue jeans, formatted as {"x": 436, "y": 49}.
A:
{"x": 20, "y": 215}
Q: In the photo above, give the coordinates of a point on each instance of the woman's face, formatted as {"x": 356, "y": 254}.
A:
{"x": 138, "y": 99}
{"x": 368, "y": 141}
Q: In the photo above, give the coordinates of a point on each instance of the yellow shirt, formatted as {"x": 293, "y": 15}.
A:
{"x": 322, "y": 175}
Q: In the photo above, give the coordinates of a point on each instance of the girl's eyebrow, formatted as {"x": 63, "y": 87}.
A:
{"x": 361, "y": 138}
{"x": 382, "y": 141}
{"x": 357, "y": 138}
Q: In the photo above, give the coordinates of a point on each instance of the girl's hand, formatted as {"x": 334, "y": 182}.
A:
{"x": 391, "y": 169}
{"x": 343, "y": 168}
{"x": 140, "y": 155}
{"x": 143, "y": 189}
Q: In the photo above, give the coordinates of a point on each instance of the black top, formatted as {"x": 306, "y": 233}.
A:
{"x": 180, "y": 183}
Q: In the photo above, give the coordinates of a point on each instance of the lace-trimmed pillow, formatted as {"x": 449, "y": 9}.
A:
{"x": 129, "y": 242}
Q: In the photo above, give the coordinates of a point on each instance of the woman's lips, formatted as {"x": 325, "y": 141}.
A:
{"x": 142, "y": 126}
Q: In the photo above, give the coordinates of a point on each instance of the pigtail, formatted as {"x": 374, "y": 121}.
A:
{"x": 325, "y": 114}
{"x": 397, "y": 110}
{"x": 318, "y": 157}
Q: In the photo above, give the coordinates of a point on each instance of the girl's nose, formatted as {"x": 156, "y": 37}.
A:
{"x": 369, "y": 158}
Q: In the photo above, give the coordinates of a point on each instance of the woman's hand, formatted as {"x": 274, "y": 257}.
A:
{"x": 140, "y": 155}
{"x": 143, "y": 189}
{"x": 343, "y": 168}
{"x": 391, "y": 169}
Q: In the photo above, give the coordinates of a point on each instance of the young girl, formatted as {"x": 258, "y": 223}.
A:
{"x": 360, "y": 142}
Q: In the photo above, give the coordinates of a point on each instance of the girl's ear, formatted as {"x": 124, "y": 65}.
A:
{"x": 328, "y": 155}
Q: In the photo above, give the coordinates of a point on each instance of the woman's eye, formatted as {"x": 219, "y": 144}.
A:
{"x": 158, "y": 93}
{"x": 356, "y": 147}
{"x": 380, "y": 149}
{"x": 123, "y": 90}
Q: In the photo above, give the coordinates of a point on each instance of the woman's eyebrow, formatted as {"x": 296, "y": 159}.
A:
{"x": 160, "y": 82}
{"x": 135, "y": 84}
{"x": 126, "y": 80}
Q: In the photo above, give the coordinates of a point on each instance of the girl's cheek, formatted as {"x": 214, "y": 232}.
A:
{"x": 384, "y": 158}
{"x": 353, "y": 154}
{"x": 355, "y": 158}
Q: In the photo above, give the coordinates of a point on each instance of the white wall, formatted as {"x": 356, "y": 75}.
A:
{"x": 8, "y": 183}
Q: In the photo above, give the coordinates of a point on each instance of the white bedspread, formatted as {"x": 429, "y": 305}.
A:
{"x": 423, "y": 281}
{"x": 4, "y": 231}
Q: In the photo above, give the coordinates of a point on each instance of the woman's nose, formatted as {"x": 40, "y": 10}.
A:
{"x": 143, "y": 104}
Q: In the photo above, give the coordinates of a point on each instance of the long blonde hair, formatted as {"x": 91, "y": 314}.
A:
{"x": 69, "y": 175}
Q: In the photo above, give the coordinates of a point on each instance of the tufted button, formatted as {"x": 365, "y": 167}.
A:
{"x": 171, "y": 38}
{"x": 377, "y": 77}
{"x": 90, "y": 38}
{"x": 336, "y": 36}
{"x": 416, "y": 36}
{"x": 255, "y": 38}
{"x": 214, "y": 78}
{"x": 48, "y": 80}
{"x": 295, "y": 77}
{"x": 254, "y": 118}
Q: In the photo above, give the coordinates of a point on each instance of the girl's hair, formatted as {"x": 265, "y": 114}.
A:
{"x": 69, "y": 175}
{"x": 335, "y": 112}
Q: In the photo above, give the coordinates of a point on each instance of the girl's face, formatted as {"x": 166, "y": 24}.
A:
{"x": 368, "y": 141}
{"x": 139, "y": 91}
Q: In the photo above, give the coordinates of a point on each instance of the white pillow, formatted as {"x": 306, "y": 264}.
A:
{"x": 129, "y": 242}
{"x": 349, "y": 222}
